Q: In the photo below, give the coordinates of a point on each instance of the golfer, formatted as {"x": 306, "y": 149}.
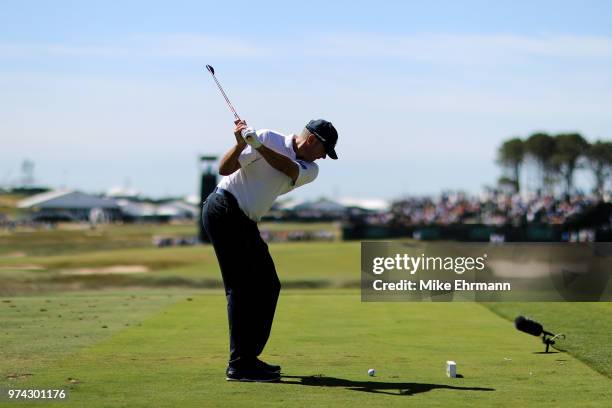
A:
{"x": 256, "y": 172}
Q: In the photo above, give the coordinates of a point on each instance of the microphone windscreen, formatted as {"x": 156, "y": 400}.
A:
{"x": 528, "y": 326}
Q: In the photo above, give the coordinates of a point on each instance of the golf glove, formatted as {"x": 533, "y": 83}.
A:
{"x": 250, "y": 137}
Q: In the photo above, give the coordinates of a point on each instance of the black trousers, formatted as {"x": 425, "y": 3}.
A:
{"x": 249, "y": 276}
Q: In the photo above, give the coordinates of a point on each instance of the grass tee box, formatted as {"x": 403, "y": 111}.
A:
{"x": 326, "y": 341}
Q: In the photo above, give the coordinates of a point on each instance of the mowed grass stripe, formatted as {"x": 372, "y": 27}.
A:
{"x": 178, "y": 357}
{"x": 37, "y": 330}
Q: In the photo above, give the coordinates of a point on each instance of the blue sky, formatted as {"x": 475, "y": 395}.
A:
{"x": 100, "y": 93}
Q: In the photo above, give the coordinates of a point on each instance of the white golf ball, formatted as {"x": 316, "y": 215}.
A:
{"x": 371, "y": 372}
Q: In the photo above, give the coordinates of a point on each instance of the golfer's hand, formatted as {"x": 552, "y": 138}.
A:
{"x": 250, "y": 137}
{"x": 239, "y": 126}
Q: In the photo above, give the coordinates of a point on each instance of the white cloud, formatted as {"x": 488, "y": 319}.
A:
{"x": 197, "y": 45}
{"x": 450, "y": 48}
{"x": 460, "y": 48}
{"x": 169, "y": 45}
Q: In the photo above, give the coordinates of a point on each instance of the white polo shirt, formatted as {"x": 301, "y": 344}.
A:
{"x": 257, "y": 184}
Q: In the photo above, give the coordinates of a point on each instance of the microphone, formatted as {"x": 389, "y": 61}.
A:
{"x": 529, "y": 326}
{"x": 534, "y": 328}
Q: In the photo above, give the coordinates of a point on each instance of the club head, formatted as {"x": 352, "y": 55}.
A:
{"x": 210, "y": 69}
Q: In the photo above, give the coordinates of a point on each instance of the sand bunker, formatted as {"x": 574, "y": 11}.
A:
{"x": 17, "y": 254}
{"x": 22, "y": 268}
{"x": 115, "y": 269}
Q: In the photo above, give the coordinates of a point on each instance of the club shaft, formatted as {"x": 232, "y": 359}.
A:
{"x": 225, "y": 96}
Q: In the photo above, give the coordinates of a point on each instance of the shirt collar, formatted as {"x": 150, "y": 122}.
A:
{"x": 289, "y": 144}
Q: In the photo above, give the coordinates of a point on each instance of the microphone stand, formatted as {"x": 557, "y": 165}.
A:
{"x": 549, "y": 338}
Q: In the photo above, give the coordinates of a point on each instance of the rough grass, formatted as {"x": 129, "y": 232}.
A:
{"x": 64, "y": 240}
{"x": 8, "y": 204}
{"x": 76, "y": 239}
{"x": 587, "y": 326}
{"x": 307, "y": 265}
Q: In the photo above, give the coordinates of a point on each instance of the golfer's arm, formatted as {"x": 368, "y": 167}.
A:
{"x": 280, "y": 162}
{"x": 229, "y": 163}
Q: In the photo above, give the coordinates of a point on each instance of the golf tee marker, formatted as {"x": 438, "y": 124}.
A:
{"x": 451, "y": 369}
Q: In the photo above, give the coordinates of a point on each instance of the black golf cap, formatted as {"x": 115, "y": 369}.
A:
{"x": 326, "y": 133}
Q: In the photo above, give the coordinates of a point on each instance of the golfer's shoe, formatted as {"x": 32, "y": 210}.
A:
{"x": 267, "y": 367}
{"x": 252, "y": 375}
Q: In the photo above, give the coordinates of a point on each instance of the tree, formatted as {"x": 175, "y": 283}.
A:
{"x": 599, "y": 156}
{"x": 511, "y": 155}
{"x": 541, "y": 147}
{"x": 569, "y": 148}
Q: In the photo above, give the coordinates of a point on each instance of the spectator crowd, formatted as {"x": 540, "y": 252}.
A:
{"x": 489, "y": 209}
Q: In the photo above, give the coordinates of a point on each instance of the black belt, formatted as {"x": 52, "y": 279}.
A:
{"x": 226, "y": 194}
{"x": 232, "y": 201}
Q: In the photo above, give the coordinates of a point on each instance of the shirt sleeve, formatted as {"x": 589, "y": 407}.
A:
{"x": 308, "y": 172}
{"x": 248, "y": 155}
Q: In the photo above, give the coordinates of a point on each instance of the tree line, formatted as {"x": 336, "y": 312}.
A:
{"x": 556, "y": 158}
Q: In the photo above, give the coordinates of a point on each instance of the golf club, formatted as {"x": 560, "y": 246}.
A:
{"x": 248, "y": 134}
{"x": 212, "y": 72}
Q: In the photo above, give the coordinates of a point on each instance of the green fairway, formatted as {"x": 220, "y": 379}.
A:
{"x": 326, "y": 342}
